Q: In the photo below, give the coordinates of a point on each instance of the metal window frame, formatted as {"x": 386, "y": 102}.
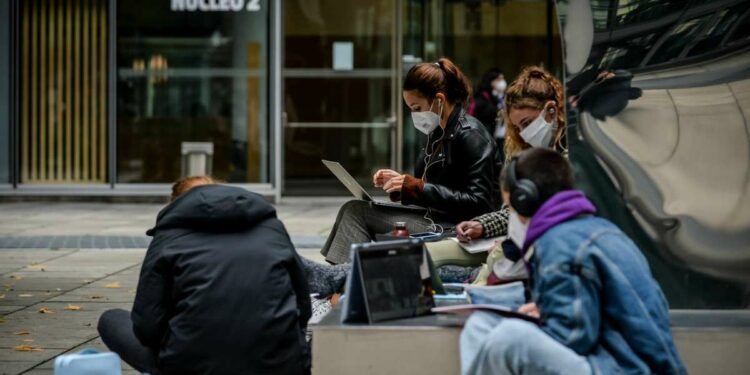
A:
{"x": 397, "y": 133}
{"x": 13, "y": 90}
{"x": 112, "y": 97}
{"x": 276, "y": 105}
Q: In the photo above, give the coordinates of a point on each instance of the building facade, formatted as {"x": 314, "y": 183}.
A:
{"x": 110, "y": 97}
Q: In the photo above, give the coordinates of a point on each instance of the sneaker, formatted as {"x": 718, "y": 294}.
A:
{"x": 320, "y": 308}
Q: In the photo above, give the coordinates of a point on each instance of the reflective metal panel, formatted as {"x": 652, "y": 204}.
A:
{"x": 672, "y": 167}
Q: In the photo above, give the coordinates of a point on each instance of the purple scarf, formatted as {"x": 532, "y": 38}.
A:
{"x": 559, "y": 208}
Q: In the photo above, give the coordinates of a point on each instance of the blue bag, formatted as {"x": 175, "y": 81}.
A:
{"x": 88, "y": 362}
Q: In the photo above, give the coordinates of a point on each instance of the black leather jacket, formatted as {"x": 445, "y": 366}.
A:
{"x": 462, "y": 179}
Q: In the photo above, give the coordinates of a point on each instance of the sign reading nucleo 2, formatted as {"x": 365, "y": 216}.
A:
{"x": 215, "y": 5}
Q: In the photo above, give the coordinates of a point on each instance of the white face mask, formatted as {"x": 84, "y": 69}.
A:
{"x": 500, "y": 87}
{"x": 539, "y": 132}
{"x": 516, "y": 229}
{"x": 427, "y": 121}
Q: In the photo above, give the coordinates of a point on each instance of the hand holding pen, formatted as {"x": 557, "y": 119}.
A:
{"x": 469, "y": 230}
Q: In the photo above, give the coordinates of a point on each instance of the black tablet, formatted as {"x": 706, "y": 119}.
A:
{"x": 389, "y": 280}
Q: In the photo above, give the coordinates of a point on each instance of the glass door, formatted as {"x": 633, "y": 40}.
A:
{"x": 339, "y": 85}
{"x": 191, "y": 76}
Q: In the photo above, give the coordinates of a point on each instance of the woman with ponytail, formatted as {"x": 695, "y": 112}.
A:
{"x": 535, "y": 115}
{"x": 456, "y": 174}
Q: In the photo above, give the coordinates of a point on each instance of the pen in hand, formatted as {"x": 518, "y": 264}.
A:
{"x": 464, "y": 233}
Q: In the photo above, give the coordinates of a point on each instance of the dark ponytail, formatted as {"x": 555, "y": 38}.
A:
{"x": 442, "y": 76}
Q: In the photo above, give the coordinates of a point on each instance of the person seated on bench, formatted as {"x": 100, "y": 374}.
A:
{"x": 456, "y": 172}
{"x": 601, "y": 310}
{"x": 221, "y": 290}
{"x": 536, "y": 117}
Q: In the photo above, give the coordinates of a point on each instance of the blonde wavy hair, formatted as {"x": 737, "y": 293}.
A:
{"x": 533, "y": 88}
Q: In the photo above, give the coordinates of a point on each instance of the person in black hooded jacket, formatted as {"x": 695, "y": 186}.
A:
{"x": 221, "y": 290}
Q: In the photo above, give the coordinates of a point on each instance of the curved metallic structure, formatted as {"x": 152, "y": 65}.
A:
{"x": 679, "y": 155}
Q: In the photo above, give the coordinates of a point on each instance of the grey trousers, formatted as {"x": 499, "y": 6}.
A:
{"x": 116, "y": 330}
{"x": 359, "y": 221}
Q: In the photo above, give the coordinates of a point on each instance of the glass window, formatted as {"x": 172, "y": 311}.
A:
{"x": 338, "y": 101}
{"x": 600, "y": 13}
{"x": 741, "y": 32}
{"x": 630, "y": 53}
{"x": 4, "y": 90}
{"x": 639, "y": 11}
{"x": 678, "y": 39}
{"x": 186, "y": 74}
{"x": 717, "y": 30}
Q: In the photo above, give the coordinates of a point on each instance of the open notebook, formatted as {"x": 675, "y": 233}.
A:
{"x": 479, "y": 245}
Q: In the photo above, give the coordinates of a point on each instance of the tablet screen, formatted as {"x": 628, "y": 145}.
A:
{"x": 393, "y": 284}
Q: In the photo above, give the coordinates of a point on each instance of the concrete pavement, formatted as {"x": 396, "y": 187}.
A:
{"x": 51, "y": 297}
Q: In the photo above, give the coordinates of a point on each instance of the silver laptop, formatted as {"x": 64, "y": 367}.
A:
{"x": 359, "y": 192}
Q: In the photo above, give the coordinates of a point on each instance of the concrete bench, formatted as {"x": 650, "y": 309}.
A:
{"x": 710, "y": 342}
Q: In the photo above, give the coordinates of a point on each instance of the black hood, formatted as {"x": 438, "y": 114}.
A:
{"x": 214, "y": 208}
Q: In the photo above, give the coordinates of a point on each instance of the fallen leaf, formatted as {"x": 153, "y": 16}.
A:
{"x": 2, "y": 321}
{"x": 2, "y": 296}
{"x": 27, "y": 348}
{"x": 46, "y": 310}
{"x": 28, "y": 340}
{"x": 22, "y": 333}
{"x": 26, "y": 295}
{"x": 113, "y": 285}
{"x": 72, "y": 307}
{"x": 15, "y": 277}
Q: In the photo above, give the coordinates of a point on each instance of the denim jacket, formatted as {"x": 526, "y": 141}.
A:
{"x": 597, "y": 296}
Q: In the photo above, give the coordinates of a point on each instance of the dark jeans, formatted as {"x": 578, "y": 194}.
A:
{"x": 116, "y": 330}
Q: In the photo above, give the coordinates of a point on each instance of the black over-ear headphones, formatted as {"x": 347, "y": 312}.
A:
{"x": 524, "y": 195}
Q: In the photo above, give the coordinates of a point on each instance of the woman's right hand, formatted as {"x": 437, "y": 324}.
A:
{"x": 469, "y": 230}
{"x": 382, "y": 176}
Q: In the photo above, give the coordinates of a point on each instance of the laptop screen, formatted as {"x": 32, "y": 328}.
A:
{"x": 346, "y": 178}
